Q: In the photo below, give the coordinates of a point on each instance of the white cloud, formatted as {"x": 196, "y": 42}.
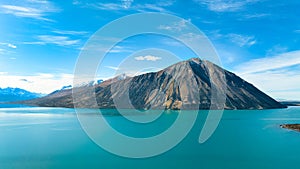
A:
{"x": 150, "y": 8}
{"x": 148, "y": 58}
{"x": 5, "y": 51}
{"x": 12, "y": 46}
{"x": 109, "y": 6}
{"x": 121, "y": 49}
{"x": 241, "y": 40}
{"x": 280, "y": 84}
{"x": 76, "y": 2}
{"x": 176, "y": 26}
{"x": 9, "y": 45}
{"x": 64, "y": 32}
{"x": 102, "y": 48}
{"x": 238, "y": 39}
{"x": 127, "y": 3}
{"x": 40, "y": 83}
{"x": 278, "y": 76}
{"x": 130, "y": 5}
{"x": 58, "y": 40}
{"x": 13, "y": 8}
{"x": 30, "y": 9}
{"x": 112, "y": 67}
{"x": 225, "y": 5}
{"x": 277, "y": 49}
{"x": 39, "y": 1}
{"x": 2, "y": 51}
{"x": 255, "y": 16}
{"x": 270, "y": 63}
{"x": 3, "y": 73}
{"x": 33, "y": 43}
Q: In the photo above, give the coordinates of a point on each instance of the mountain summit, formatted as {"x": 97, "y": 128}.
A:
{"x": 188, "y": 84}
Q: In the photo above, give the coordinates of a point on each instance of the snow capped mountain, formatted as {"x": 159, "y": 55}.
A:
{"x": 16, "y": 94}
{"x": 184, "y": 85}
{"x": 90, "y": 83}
{"x": 66, "y": 87}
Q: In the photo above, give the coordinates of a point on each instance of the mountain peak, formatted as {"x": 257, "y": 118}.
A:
{"x": 184, "y": 85}
{"x": 195, "y": 59}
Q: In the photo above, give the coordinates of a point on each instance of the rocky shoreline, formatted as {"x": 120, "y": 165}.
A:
{"x": 295, "y": 127}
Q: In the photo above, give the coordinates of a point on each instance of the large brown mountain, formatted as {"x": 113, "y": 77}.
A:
{"x": 190, "y": 84}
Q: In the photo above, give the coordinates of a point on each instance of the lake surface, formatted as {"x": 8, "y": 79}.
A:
{"x": 52, "y": 138}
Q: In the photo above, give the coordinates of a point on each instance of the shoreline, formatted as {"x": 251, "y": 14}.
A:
{"x": 295, "y": 127}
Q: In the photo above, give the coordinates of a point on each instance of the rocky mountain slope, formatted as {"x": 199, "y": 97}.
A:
{"x": 188, "y": 84}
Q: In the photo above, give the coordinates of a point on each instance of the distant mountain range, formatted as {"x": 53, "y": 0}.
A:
{"x": 16, "y": 94}
{"x": 290, "y": 103}
{"x": 160, "y": 90}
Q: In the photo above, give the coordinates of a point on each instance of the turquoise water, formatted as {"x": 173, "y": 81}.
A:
{"x": 52, "y": 138}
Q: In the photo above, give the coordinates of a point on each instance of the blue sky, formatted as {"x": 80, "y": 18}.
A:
{"x": 40, "y": 40}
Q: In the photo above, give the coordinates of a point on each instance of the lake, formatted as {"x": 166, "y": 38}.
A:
{"x": 52, "y": 138}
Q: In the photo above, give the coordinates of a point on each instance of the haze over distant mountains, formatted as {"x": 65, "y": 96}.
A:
{"x": 186, "y": 84}
{"x": 16, "y": 94}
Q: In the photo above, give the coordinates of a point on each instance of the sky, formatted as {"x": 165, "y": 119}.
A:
{"x": 259, "y": 40}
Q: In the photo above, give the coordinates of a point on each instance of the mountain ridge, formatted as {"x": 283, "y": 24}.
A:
{"x": 10, "y": 94}
{"x": 188, "y": 84}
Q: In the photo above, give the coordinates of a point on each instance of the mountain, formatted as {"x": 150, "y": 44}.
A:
{"x": 87, "y": 84}
{"x": 68, "y": 87}
{"x": 184, "y": 85}
{"x": 16, "y": 94}
{"x": 290, "y": 103}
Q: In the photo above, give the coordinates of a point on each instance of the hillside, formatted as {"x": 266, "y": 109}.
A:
{"x": 186, "y": 84}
